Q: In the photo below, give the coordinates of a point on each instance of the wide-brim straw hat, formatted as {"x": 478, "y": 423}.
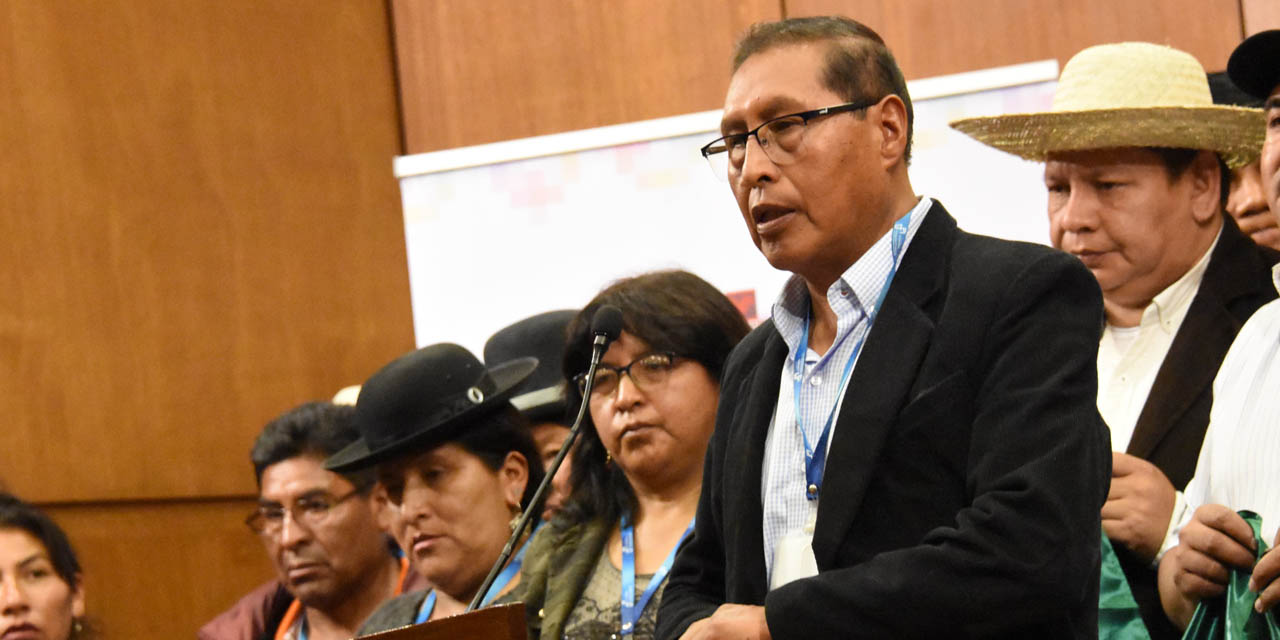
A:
{"x": 1129, "y": 94}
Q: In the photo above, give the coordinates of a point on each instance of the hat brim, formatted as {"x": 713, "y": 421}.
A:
{"x": 358, "y": 455}
{"x": 1236, "y": 133}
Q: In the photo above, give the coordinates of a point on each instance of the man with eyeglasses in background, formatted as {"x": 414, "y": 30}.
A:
{"x": 322, "y": 531}
{"x": 948, "y": 485}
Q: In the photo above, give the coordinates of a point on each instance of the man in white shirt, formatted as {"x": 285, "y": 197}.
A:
{"x": 1134, "y": 152}
{"x": 1236, "y": 468}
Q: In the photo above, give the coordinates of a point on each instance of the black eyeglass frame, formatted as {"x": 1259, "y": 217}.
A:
{"x": 805, "y": 116}
{"x": 256, "y": 521}
{"x": 581, "y": 379}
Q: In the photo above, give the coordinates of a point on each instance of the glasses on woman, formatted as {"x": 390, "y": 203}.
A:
{"x": 646, "y": 372}
{"x": 780, "y": 138}
{"x": 310, "y": 510}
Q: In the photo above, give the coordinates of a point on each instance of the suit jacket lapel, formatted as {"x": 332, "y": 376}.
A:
{"x": 881, "y": 381}
{"x": 1208, "y": 329}
{"x": 757, "y": 397}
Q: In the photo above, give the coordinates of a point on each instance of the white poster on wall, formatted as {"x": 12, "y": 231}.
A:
{"x": 499, "y": 232}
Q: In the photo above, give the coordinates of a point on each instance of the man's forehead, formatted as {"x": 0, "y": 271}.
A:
{"x": 1273, "y": 102}
{"x": 299, "y": 476}
{"x": 778, "y": 80}
{"x": 1101, "y": 159}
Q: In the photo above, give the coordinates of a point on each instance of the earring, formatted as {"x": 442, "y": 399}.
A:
{"x": 515, "y": 521}
{"x": 76, "y": 626}
{"x": 608, "y": 459}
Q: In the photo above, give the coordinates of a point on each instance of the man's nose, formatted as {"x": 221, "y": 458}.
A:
{"x": 1246, "y": 195}
{"x": 292, "y": 532}
{"x": 757, "y": 166}
{"x": 1078, "y": 214}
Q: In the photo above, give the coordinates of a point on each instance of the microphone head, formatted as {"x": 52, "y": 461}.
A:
{"x": 607, "y": 322}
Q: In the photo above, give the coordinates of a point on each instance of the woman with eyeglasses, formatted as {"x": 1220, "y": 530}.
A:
{"x": 41, "y": 594}
{"x": 458, "y": 465}
{"x": 597, "y": 570}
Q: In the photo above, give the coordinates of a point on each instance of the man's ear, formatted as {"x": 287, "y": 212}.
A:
{"x": 891, "y": 119}
{"x": 1206, "y": 187}
{"x": 514, "y": 476}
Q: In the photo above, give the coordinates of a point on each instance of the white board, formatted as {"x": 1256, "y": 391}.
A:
{"x": 499, "y": 232}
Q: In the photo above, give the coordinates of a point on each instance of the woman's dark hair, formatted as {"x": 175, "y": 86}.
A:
{"x": 495, "y": 435}
{"x": 16, "y": 514}
{"x": 672, "y": 311}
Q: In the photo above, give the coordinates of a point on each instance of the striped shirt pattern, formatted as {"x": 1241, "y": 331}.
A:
{"x": 783, "y": 482}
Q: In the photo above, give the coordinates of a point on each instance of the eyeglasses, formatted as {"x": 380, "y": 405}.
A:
{"x": 310, "y": 510}
{"x": 780, "y": 138}
{"x": 646, "y": 372}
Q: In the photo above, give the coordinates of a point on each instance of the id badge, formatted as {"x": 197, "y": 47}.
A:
{"x": 793, "y": 557}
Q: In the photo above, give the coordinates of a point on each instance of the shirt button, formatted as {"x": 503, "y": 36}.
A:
{"x": 815, "y": 381}
{"x": 844, "y": 293}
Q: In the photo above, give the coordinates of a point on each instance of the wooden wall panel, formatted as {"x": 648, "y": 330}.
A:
{"x": 1260, "y": 15}
{"x": 936, "y": 37}
{"x": 201, "y": 229}
{"x": 477, "y": 72}
{"x": 162, "y": 570}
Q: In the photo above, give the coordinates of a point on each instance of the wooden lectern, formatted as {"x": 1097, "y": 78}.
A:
{"x": 502, "y": 622}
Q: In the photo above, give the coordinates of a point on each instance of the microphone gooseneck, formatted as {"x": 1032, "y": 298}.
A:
{"x": 606, "y": 326}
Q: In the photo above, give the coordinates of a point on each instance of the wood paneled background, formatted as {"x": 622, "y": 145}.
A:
{"x": 201, "y": 226}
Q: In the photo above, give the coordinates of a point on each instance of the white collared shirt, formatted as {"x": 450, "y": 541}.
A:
{"x": 783, "y": 482}
{"x": 1130, "y": 357}
{"x": 1237, "y": 465}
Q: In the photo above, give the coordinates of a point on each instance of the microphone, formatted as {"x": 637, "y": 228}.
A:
{"x": 606, "y": 326}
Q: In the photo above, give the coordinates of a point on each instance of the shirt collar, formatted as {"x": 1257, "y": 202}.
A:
{"x": 863, "y": 280}
{"x": 1170, "y": 306}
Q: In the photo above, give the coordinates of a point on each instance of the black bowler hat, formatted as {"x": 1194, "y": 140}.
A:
{"x": 1255, "y": 64}
{"x": 541, "y": 398}
{"x": 423, "y": 399}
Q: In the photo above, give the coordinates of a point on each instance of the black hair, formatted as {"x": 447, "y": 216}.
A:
{"x": 313, "y": 428}
{"x": 672, "y": 311}
{"x": 858, "y": 65}
{"x": 1177, "y": 161}
{"x": 16, "y": 514}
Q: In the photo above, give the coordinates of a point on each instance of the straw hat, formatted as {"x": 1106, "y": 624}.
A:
{"x": 1131, "y": 94}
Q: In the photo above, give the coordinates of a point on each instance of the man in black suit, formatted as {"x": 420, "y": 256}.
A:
{"x": 1137, "y": 178}
{"x": 959, "y": 493}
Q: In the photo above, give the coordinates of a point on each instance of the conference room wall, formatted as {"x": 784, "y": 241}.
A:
{"x": 478, "y": 72}
{"x": 201, "y": 230}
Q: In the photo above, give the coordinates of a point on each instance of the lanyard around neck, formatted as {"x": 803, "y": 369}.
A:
{"x": 815, "y": 457}
{"x": 508, "y": 574}
{"x": 631, "y": 608}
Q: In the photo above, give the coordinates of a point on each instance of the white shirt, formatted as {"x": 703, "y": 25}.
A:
{"x": 783, "y": 483}
{"x": 1130, "y": 357}
{"x": 1238, "y": 465}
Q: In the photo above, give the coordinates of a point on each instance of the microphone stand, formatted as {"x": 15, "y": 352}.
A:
{"x": 602, "y": 340}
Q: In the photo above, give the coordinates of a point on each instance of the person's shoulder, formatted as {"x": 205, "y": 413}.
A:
{"x": 251, "y": 615}
{"x": 751, "y": 349}
{"x": 397, "y": 612}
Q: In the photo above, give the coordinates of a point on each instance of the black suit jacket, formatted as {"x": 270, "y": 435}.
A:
{"x": 1171, "y": 426}
{"x": 966, "y": 471}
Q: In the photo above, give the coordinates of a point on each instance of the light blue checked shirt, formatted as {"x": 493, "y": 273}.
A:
{"x": 783, "y": 484}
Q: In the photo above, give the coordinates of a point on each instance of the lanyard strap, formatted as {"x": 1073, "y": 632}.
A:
{"x": 508, "y": 574}
{"x": 631, "y": 609}
{"x": 815, "y": 457}
{"x": 428, "y": 605}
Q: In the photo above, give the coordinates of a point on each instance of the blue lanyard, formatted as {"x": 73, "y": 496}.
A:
{"x": 815, "y": 458}
{"x": 631, "y": 609}
{"x": 428, "y": 605}
{"x": 508, "y": 574}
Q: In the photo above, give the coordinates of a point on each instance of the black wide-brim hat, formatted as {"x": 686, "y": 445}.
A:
{"x": 1255, "y": 64}
{"x": 542, "y": 397}
{"x": 423, "y": 399}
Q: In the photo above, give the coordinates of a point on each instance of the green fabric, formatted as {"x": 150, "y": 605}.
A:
{"x": 557, "y": 567}
{"x": 1231, "y": 616}
{"x": 1118, "y": 615}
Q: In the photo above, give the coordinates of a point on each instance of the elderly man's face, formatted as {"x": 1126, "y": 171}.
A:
{"x": 810, "y": 215}
{"x": 322, "y": 554}
{"x": 1270, "y": 162}
{"x": 1121, "y": 213}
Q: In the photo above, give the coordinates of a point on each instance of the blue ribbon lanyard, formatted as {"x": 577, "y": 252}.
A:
{"x": 631, "y": 609}
{"x": 508, "y": 574}
{"x": 815, "y": 458}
